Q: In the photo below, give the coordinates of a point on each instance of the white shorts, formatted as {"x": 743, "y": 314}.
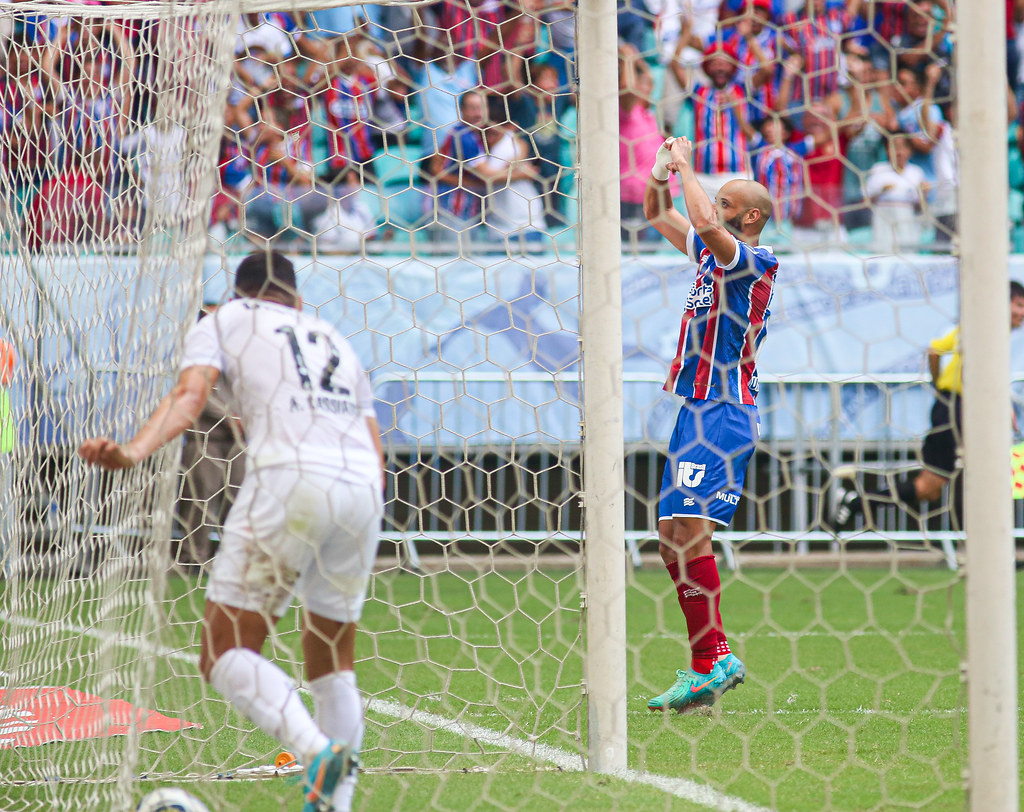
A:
{"x": 298, "y": 533}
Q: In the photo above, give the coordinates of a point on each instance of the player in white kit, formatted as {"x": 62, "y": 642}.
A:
{"x": 306, "y": 521}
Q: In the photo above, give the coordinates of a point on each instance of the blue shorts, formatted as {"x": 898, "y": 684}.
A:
{"x": 707, "y": 460}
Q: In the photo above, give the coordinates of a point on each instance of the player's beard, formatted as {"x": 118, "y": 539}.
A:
{"x": 735, "y": 225}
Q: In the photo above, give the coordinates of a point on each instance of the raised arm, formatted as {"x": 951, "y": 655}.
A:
{"x": 791, "y": 68}
{"x": 699, "y": 207}
{"x": 932, "y": 77}
{"x": 743, "y": 119}
{"x": 686, "y": 39}
{"x": 658, "y": 206}
{"x": 763, "y": 74}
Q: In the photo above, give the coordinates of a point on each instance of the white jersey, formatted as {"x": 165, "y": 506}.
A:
{"x": 295, "y": 383}
{"x": 513, "y": 206}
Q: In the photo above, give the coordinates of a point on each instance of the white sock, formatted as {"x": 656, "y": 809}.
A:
{"x": 266, "y": 697}
{"x": 338, "y": 709}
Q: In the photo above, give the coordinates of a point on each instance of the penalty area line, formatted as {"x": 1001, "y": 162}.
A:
{"x": 682, "y": 788}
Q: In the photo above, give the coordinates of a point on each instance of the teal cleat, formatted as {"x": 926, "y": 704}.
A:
{"x": 690, "y": 690}
{"x": 334, "y": 762}
{"x": 734, "y": 670}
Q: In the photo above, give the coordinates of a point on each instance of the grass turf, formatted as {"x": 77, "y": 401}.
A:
{"x": 853, "y": 697}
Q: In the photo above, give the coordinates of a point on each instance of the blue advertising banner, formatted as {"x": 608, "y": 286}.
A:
{"x": 485, "y": 350}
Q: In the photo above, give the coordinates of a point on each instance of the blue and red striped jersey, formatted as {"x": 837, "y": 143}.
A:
{"x": 282, "y": 20}
{"x": 89, "y": 130}
{"x": 761, "y": 99}
{"x": 780, "y": 169}
{"x": 463, "y": 144}
{"x": 724, "y": 323}
{"x": 348, "y": 103}
{"x": 233, "y": 163}
{"x": 469, "y": 25}
{"x": 270, "y": 172}
{"x": 719, "y": 142}
{"x": 817, "y": 39}
{"x": 890, "y": 18}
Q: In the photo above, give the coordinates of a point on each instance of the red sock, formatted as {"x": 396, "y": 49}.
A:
{"x": 698, "y": 595}
{"x": 722, "y": 647}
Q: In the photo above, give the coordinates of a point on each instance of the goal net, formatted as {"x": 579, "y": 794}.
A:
{"x": 425, "y": 167}
{"x": 121, "y": 124}
{"x": 107, "y": 147}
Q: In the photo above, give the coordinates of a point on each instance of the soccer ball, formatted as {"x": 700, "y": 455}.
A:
{"x": 171, "y": 799}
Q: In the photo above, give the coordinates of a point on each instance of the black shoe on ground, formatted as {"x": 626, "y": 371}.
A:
{"x": 848, "y": 503}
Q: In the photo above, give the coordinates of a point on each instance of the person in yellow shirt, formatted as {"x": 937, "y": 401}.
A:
{"x": 940, "y": 449}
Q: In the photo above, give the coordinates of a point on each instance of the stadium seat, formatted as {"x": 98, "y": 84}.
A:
{"x": 404, "y": 207}
{"x": 391, "y": 169}
{"x": 1016, "y": 168}
{"x": 658, "y": 77}
{"x": 1016, "y": 210}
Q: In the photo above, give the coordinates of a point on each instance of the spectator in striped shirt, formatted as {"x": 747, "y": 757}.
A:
{"x": 93, "y": 117}
{"x": 779, "y": 166}
{"x": 470, "y": 27}
{"x": 684, "y": 28}
{"x": 235, "y": 179}
{"x": 283, "y": 182}
{"x": 819, "y": 34}
{"x": 756, "y": 43}
{"x": 459, "y": 188}
{"x": 820, "y": 217}
{"x": 505, "y": 68}
{"x": 348, "y": 101}
{"x": 721, "y": 126}
{"x": 27, "y": 91}
{"x": 922, "y": 39}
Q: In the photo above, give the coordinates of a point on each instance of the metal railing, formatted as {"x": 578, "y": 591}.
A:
{"x": 495, "y": 493}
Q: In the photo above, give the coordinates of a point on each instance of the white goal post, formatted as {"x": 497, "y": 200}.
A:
{"x": 993, "y": 777}
{"x": 601, "y": 347}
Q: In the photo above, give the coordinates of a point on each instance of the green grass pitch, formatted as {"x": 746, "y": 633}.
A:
{"x": 853, "y": 698}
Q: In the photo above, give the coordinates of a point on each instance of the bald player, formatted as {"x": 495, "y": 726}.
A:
{"x": 724, "y": 321}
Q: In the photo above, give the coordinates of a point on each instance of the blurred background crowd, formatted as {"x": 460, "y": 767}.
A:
{"x": 455, "y": 122}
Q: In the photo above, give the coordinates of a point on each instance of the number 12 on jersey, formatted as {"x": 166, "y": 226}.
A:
{"x": 314, "y": 337}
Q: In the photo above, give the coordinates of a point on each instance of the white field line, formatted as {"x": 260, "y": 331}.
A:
{"x": 562, "y": 759}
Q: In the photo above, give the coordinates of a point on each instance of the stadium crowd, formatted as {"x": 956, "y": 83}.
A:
{"x": 457, "y": 120}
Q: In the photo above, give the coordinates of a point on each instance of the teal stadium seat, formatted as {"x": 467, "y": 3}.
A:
{"x": 395, "y": 173}
{"x": 404, "y": 207}
{"x": 658, "y": 77}
{"x": 1016, "y": 199}
{"x": 390, "y": 169}
{"x": 1016, "y": 206}
{"x": 1016, "y": 168}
